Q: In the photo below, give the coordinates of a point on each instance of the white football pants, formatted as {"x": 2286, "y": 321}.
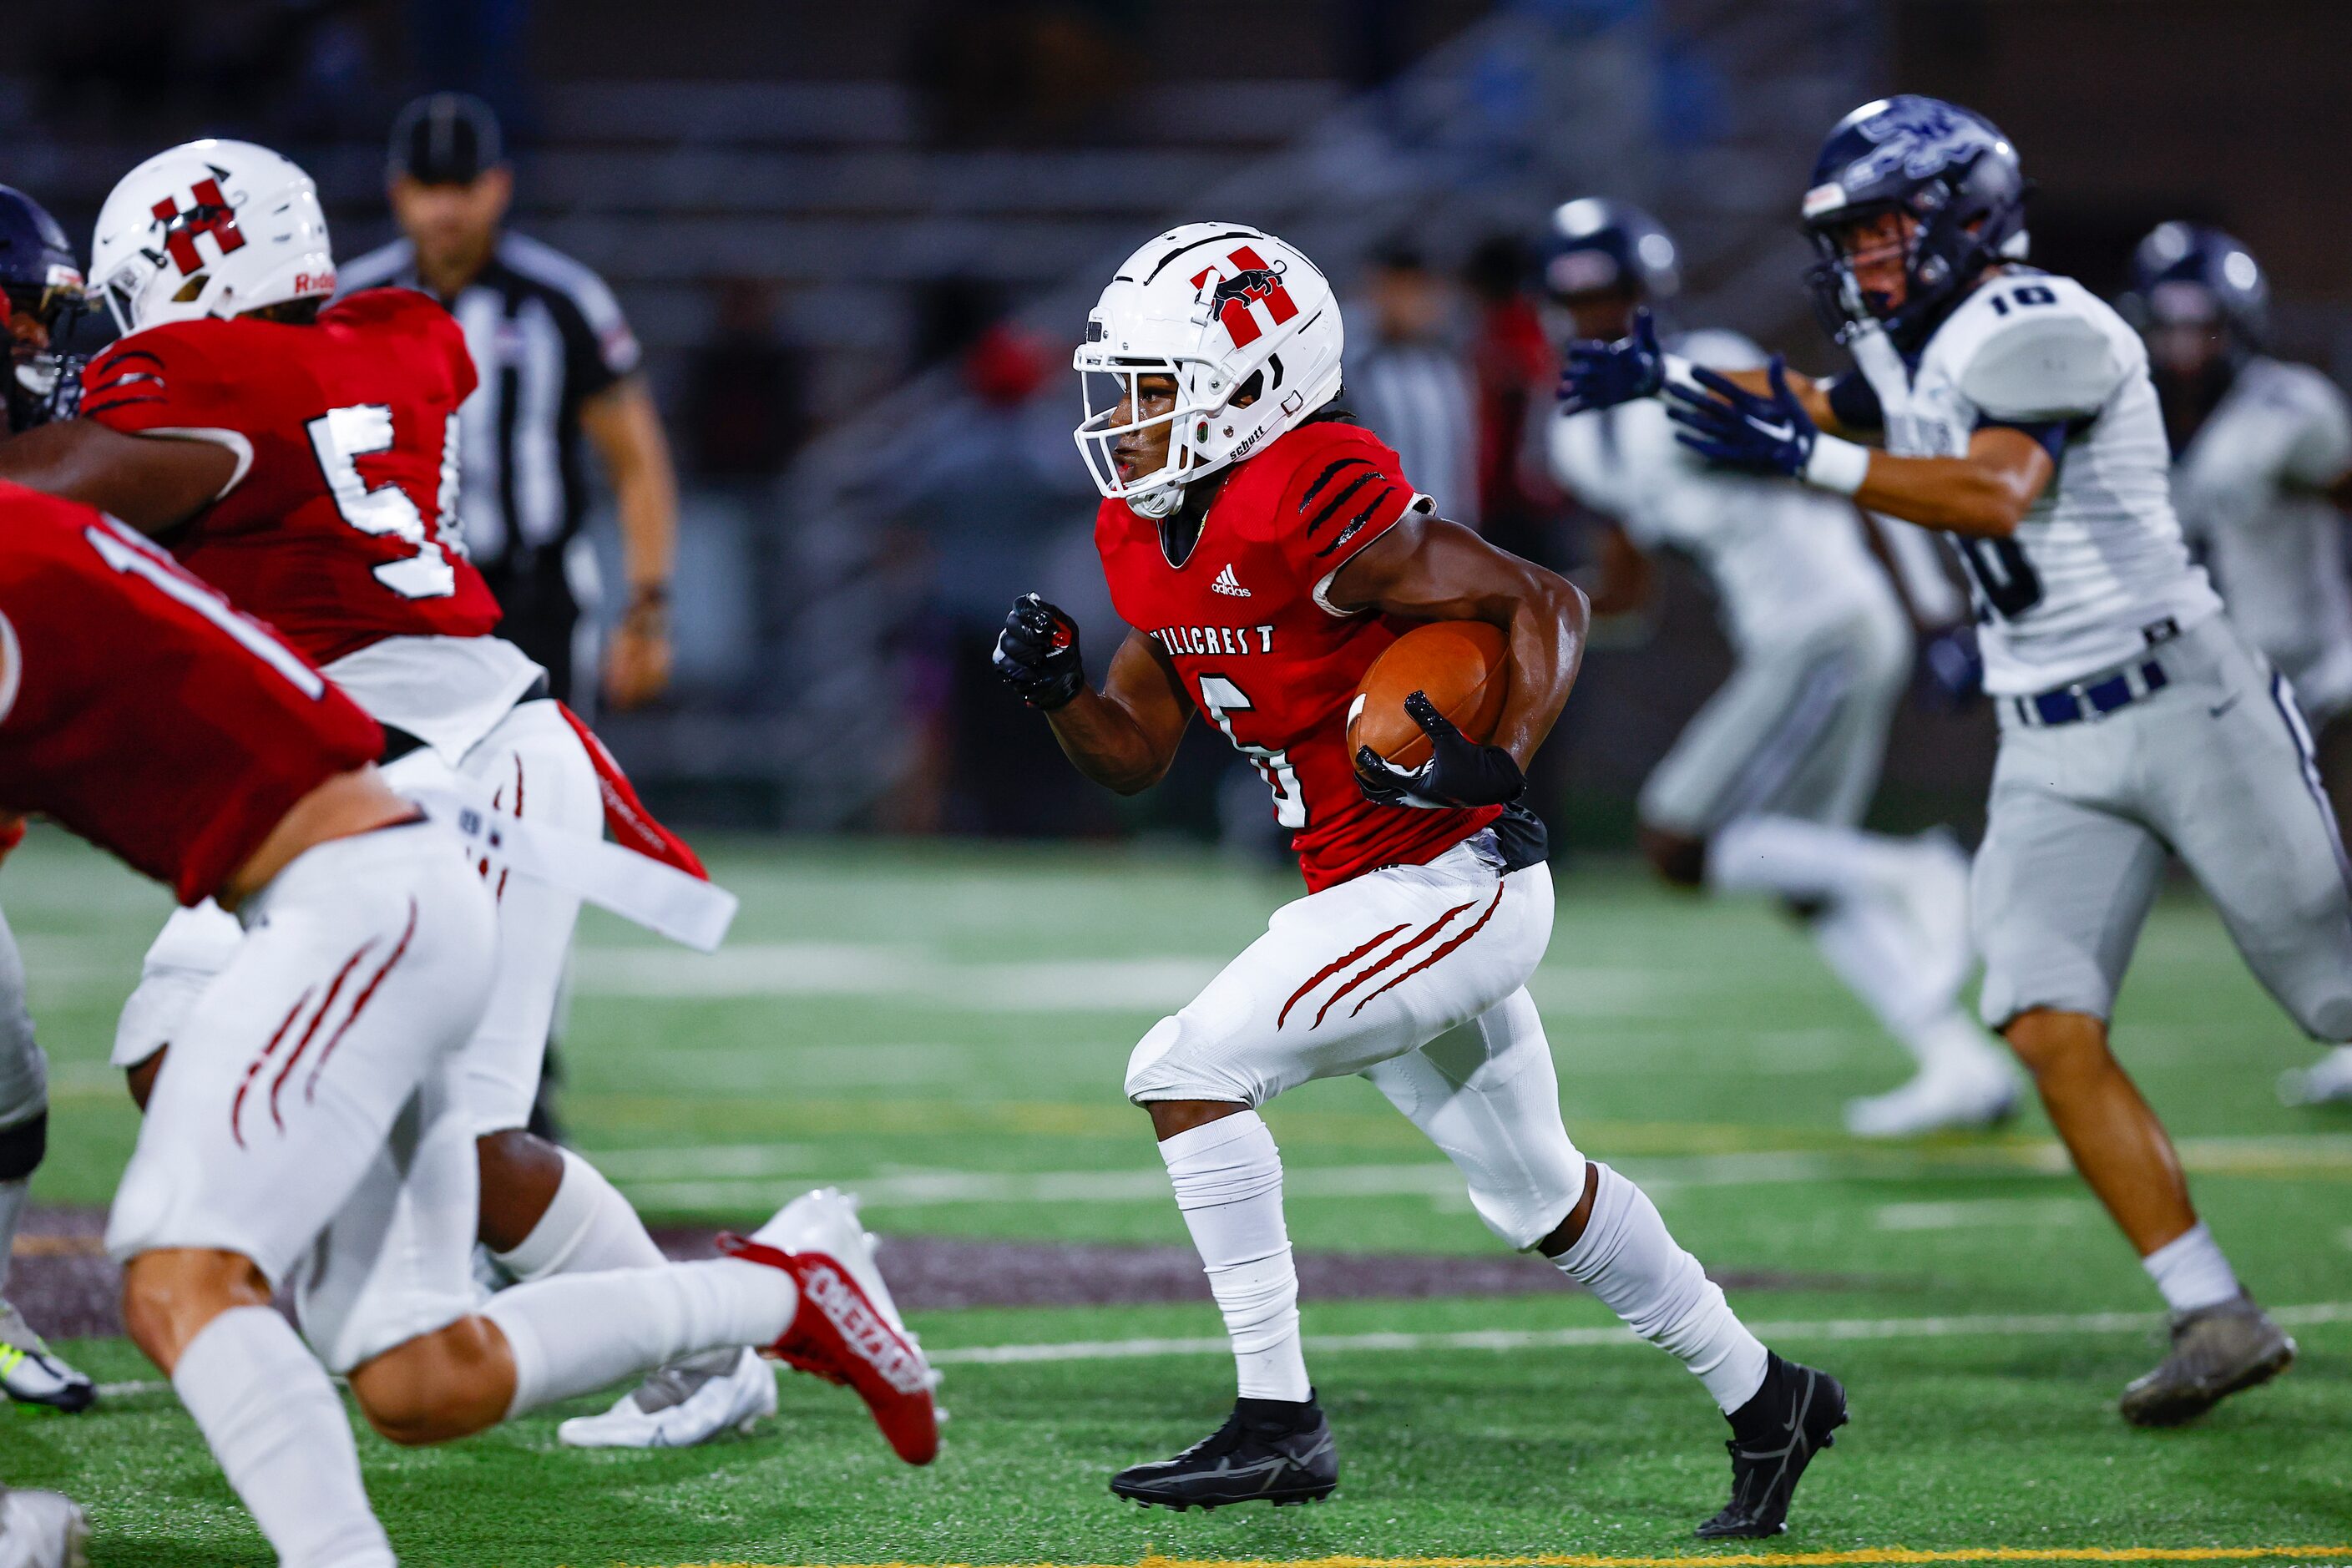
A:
{"x": 538, "y": 769}
{"x": 1415, "y": 978}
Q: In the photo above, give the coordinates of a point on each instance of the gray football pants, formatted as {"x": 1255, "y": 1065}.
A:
{"x": 2217, "y": 768}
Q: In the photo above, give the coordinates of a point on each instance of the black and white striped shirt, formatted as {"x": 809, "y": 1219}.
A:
{"x": 1418, "y": 398}
{"x": 546, "y": 334}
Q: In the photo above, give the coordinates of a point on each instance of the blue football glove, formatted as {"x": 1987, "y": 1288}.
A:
{"x": 1730, "y": 425}
{"x": 1460, "y": 772}
{"x": 1602, "y": 376}
{"x": 1038, "y": 653}
{"x": 1953, "y": 667}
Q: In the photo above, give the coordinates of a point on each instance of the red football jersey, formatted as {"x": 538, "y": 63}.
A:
{"x": 337, "y": 528}
{"x": 1243, "y": 621}
{"x": 141, "y": 711}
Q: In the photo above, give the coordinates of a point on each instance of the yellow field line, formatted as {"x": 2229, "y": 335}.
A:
{"x": 1866, "y": 1555}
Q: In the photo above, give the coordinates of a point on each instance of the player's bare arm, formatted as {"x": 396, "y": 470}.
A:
{"x": 1124, "y": 736}
{"x": 625, "y": 428}
{"x": 154, "y": 483}
{"x": 1426, "y": 569}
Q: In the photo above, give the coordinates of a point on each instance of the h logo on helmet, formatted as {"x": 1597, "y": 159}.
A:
{"x": 210, "y": 214}
{"x": 1251, "y": 283}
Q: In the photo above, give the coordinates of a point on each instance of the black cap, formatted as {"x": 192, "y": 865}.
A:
{"x": 445, "y": 139}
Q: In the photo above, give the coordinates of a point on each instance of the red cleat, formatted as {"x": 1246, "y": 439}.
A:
{"x": 847, "y": 1330}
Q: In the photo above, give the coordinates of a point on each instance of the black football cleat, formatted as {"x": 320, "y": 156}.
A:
{"x": 1776, "y": 1436}
{"x": 1268, "y": 1450}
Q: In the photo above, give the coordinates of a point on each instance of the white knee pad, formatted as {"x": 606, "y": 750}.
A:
{"x": 1178, "y": 1060}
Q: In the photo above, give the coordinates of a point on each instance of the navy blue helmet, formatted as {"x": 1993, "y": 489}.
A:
{"x": 43, "y": 285}
{"x": 1595, "y": 246}
{"x": 2194, "y": 275}
{"x": 1951, "y": 170}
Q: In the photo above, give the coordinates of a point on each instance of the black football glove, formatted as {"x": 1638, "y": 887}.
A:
{"x": 1038, "y": 653}
{"x": 1459, "y": 773}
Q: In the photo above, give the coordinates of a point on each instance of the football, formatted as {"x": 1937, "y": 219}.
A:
{"x": 1463, "y": 665}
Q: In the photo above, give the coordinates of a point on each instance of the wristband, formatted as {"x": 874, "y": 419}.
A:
{"x": 1837, "y": 466}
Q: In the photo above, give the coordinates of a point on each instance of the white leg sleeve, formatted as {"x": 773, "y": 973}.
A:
{"x": 1487, "y": 1095}
{"x": 1626, "y": 1257}
{"x": 1228, "y": 1181}
{"x": 589, "y": 1228}
{"x": 272, "y": 1420}
{"x": 1801, "y": 860}
{"x": 581, "y": 1333}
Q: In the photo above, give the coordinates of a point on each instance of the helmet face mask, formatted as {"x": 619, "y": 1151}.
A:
{"x": 1953, "y": 180}
{"x": 1241, "y": 329}
{"x": 1123, "y": 412}
{"x": 41, "y": 300}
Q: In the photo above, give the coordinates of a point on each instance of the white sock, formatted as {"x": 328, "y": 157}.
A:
{"x": 1801, "y": 860}
{"x": 1869, "y": 946}
{"x": 272, "y": 1420}
{"x": 13, "y": 1196}
{"x": 1228, "y": 1181}
{"x": 581, "y": 1333}
{"x": 589, "y": 1228}
{"x": 1626, "y": 1258}
{"x": 2191, "y": 1272}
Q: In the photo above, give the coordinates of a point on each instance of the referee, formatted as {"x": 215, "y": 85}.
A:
{"x": 556, "y": 362}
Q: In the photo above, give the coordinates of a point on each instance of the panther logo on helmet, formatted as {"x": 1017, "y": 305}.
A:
{"x": 1251, "y": 283}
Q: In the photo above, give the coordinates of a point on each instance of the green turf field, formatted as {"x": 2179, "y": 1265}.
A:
{"x": 945, "y": 1031}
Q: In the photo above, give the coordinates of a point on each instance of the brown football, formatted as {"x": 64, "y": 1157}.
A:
{"x": 1464, "y": 666}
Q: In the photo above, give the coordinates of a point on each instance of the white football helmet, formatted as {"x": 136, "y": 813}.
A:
{"x": 1231, "y": 313}
{"x": 209, "y": 228}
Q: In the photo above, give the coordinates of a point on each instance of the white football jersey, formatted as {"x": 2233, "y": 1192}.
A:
{"x": 2097, "y": 569}
{"x": 1786, "y": 562}
{"x": 2250, "y": 487}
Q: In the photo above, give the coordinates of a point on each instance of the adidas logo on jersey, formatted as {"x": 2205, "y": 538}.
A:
{"x": 1227, "y": 584}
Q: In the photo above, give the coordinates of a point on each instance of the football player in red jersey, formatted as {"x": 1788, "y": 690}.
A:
{"x": 1264, "y": 549}
{"x": 309, "y": 1130}
{"x": 299, "y": 456}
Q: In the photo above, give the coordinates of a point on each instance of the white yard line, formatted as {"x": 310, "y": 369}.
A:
{"x": 2041, "y": 1325}
{"x": 2051, "y": 1325}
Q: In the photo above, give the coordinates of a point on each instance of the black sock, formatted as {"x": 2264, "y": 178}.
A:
{"x": 1288, "y": 1415}
{"x": 1766, "y": 1413}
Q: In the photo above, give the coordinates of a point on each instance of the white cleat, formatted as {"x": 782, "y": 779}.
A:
{"x": 1979, "y": 1095}
{"x": 1934, "y": 897}
{"x": 32, "y": 1373}
{"x": 682, "y": 1406}
{"x": 2328, "y": 1082}
{"x": 41, "y": 1529}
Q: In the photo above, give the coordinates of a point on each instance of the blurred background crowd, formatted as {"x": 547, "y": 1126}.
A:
{"x": 856, "y": 262}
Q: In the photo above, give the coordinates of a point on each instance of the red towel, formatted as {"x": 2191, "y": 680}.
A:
{"x": 625, "y": 814}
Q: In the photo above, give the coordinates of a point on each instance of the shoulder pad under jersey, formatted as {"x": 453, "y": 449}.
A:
{"x": 2040, "y": 349}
